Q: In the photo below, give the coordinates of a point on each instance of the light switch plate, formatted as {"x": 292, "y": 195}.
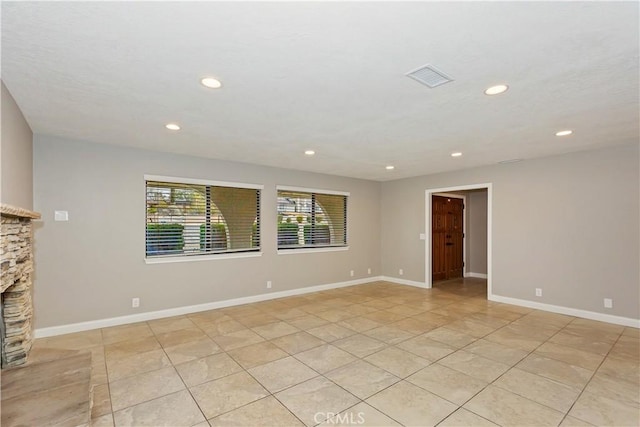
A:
{"x": 423, "y": 236}
{"x": 61, "y": 216}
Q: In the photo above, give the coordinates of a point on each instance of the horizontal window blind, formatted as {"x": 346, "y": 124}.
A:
{"x": 311, "y": 219}
{"x": 192, "y": 219}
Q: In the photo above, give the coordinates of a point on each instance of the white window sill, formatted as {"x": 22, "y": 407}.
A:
{"x": 212, "y": 257}
{"x": 312, "y": 250}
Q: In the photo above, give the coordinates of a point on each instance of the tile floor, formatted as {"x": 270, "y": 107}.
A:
{"x": 378, "y": 354}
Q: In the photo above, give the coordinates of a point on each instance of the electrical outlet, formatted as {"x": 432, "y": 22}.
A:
{"x": 268, "y": 284}
{"x": 608, "y": 303}
{"x": 135, "y": 302}
{"x": 351, "y": 273}
{"x": 538, "y": 292}
{"x": 368, "y": 271}
{"x": 401, "y": 272}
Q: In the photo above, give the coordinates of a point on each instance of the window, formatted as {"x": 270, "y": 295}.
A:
{"x": 311, "y": 219}
{"x": 187, "y": 217}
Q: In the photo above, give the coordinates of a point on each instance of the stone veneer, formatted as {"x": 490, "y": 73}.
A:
{"x": 16, "y": 263}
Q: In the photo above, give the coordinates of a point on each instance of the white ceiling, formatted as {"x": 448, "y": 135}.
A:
{"x": 329, "y": 76}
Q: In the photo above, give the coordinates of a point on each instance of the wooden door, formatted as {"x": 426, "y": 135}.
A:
{"x": 447, "y": 237}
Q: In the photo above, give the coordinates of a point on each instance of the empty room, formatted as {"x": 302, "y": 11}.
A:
{"x": 320, "y": 214}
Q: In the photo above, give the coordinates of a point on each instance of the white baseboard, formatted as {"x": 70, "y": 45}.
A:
{"x": 151, "y": 315}
{"x": 476, "y": 275}
{"x": 403, "y": 282}
{"x": 609, "y": 318}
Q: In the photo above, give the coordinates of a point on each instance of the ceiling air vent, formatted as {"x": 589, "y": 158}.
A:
{"x": 429, "y": 75}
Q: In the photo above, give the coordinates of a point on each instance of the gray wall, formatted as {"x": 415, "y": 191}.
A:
{"x": 567, "y": 224}
{"x": 476, "y": 217}
{"x": 90, "y": 267}
{"x": 16, "y": 154}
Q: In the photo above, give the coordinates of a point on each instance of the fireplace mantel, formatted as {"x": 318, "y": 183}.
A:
{"x": 12, "y": 211}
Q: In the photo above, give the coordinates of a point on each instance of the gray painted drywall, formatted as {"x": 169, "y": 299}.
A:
{"x": 567, "y": 224}
{"x": 90, "y": 267}
{"x": 476, "y": 217}
{"x": 17, "y": 155}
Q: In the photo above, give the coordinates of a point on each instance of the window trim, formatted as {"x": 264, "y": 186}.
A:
{"x": 198, "y": 257}
{"x": 311, "y": 249}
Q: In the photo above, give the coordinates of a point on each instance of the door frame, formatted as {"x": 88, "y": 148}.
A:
{"x": 428, "y": 240}
{"x": 464, "y": 226}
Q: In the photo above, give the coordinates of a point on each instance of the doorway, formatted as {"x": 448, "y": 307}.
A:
{"x": 447, "y": 242}
{"x": 429, "y": 230}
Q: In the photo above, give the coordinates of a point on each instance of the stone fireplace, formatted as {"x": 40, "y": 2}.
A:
{"x": 16, "y": 286}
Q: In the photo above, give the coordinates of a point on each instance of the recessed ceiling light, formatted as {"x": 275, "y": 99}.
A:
{"x": 564, "y": 132}
{"x": 309, "y": 152}
{"x": 456, "y": 154}
{"x": 210, "y": 82}
{"x": 496, "y": 90}
{"x": 172, "y": 126}
{"x": 390, "y": 168}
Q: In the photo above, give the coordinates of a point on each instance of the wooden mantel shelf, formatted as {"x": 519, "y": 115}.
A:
{"x": 8, "y": 210}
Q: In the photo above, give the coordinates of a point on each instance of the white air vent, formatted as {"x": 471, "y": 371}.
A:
{"x": 429, "y": 75}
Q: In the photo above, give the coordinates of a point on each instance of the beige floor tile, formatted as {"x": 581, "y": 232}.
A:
{"x": 388, "y": 334}
{"x": 207, "y": 369}
{"x": 362, "y": 379}
{"x": 331, "y": 332}
{"x": 476, "y": 366}
{"x": 404, "y": 310}
{"x": 360, "y": 415}
{"x": 471, "y": 328}
{"x": 539, "y": 389}
{"x": 384, "y": 316}
{"x": 289, "y": 313}
{"x": 614, "y": 388}
{"x": 136, "y": 364}
{"x": 307, "y": 322}
{"x": 573, "y": 422}
{"x": 141, "y": 388}
{"x": 498, "y": 352}
{"x": 275, "y": 330}
{"x": 103, "y": 421}
{"x": 410, "y": 405}
{"x": 257, "y": 354}
{"x": 257, "y": 319}
{"x": 173, "y": 410}
{"x": 358, "y": 310}
{"x": 426, "y": 348}
{"x": 570, "y": 355}
{"x": 398, "y": 362}
{"x": 75, "y": 341}
{"x": 631, "y": 333}
{"x": 626, "y": 369}
{"x": 334, "y": 314}
{"x": 603, "y": 411}
{"x": 379, "y": 304}
{"x": 465, "y": 418}
{"x": 226, "y": 394}
{"x": 131, "y": 347}
{"x": 283, "y": 373}
{"x": 181, "y": 336}
{"x": 512, "y": 339}
{"x": 508, "y": 409}
{"x": 359, "y": 324}
{"x": 447, "y": 383}
{"x": 413, "y": 325}
{"x": 191, "y": 350}
{"x": 295, "y": 343}
{"x": 213, "y": 329}
{"x": 325, "y": 358}
{"x": 101, "y": 401}
{"x": 360, "y": 345}
{"x": 580, "y": 342}
{"x": 626, "y": 347}
{"x": 237, "y": 339}
{"x": 263, "y": 412}
{"x": 126, "y": 332}
{"x": 169, "y": 324}
{"x": 573, "y": 376}
{"x": 311, "y": 400}
{"x": 450, "y": 337}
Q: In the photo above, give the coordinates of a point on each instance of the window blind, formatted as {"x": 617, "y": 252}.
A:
{"x": 311, "y": 219}
{"x": 184, "y": 219}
